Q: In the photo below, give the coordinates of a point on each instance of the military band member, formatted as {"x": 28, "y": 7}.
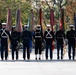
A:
{"x": 49, "y": 37}
{"x": 4, "y": 35}
{"x": 71, "y": 41}
{"x": 26, "y": 37}
{"x": 60, "y": 36}
{"x": 38, "y": 36}
{"x": 14, "y": 42}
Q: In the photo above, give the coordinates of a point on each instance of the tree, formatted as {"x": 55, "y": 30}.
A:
{"x": 23, "y": 5}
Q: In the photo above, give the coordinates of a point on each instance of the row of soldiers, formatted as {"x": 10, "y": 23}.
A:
{"x": 48, "y": 37}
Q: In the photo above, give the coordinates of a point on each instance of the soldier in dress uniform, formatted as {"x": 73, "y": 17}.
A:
{"x": 4, "y": 35}
{"x": 38, "y": 36}
{"x": 14, "y": 42}
{"x": 49, "y": 37}
{"x": 60, "y": 36}
{"x": 71, "y": 41}
{"x": 26, "y": 37}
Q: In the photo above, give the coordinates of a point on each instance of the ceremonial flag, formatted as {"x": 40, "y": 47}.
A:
{"x": 52, "y": 23}
{"x": 31, "y": 20}
{"x": 18, "y": 21}
{"x": 9, "y": 20}
{"x": 75, "y": 20}
{"x": 52, "y": 18}
{"x": 40, "y": 15}
{"x": 62, "y": 19}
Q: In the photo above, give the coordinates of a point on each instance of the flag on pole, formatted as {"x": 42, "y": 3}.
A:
{"x": 52, "y": 18}
{"x": 40, "y": 16}
{"x": 62, "y": 19}
{"x": 9, "y": 20}
{"x": 52, "y": 23}
{"x": 75, "y": 20}
{"x": 31, "y": 18}
{"x": 18, "y": 21}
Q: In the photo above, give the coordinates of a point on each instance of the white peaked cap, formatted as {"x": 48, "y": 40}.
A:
{"x": 71, "y": 25}
{"x": 48, "y": 25}
{"x": 4, "y": 23}
{"x": 38, "y": 25}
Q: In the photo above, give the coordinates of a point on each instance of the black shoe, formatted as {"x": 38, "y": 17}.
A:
{"x": 24, "y": 58}
{"x": 69, "y": 58}
{"x": 73, "y": 58}
{"x": 28, "y": 58}
{"x": 2, "y": 58}
{"x": 5, "y": 58}
{"x": 12, "y": 58}
{"x": 50, "y": 58}
{"x": 58, "y": 58}
{"x": 35, "y": 58}
{"x": 46, "y": 58}
{"x": 61, "y": 57}
{"x": 39, "y": 58}
{"x": 16, "y": 58}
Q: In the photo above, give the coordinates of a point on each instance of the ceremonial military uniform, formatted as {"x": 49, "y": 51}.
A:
{"x": 60, "y": 35}
{"x": 4, "y": 35}
{"x": 26, "y": 37}
{"x": 71, "y": 41}
{"x": 49, "y": 37}
{"x": 38, "y": 36}
{"x": 14, "y": 42}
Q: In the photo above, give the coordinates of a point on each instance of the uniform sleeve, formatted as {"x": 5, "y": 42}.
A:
{"x": 34, "y": 35}
{"x": 56, "y": 35}
{"x": 67, "y": 34}
{"x": 9, "y": 35}
{"x": 0, "y": 33}
{"x": 31, "y": 35}
{"x": 19, "y": 36}
{"x": 64, "y": 35}
{"x": 22, "y": 35}
{"x": 44, "y": 34}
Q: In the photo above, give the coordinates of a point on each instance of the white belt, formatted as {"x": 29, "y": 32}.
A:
{"x": 4, "y": 37}
{"x": 49, "y": 37}
{"x": 37, "y": 36}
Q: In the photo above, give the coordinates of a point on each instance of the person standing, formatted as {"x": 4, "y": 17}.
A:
{"x": 60, "y": 36}
{"x": 71, "y": 34}
{"x": 49, "y": 37}
{"x": 14, "y": 42}
{"x": 26, "y": 37}
{"x": 38, "y": 36}
{"x": 4, "y": 35}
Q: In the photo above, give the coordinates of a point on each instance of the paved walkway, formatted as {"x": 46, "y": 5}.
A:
{"x": 42, "y": 67}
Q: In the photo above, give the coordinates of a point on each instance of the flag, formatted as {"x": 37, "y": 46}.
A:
{"x": 40, "y": 16}
{"x": 52, "y": 23}
{"x": 18, "y": 21}
{"x": 52, "y": 18}
{"x": 62, "y": 19}
{"x": 31, "y": 20}
{"x": 75, "y": 20}
{"x": 9, "y": 20}
{"x": 28, "y": 22}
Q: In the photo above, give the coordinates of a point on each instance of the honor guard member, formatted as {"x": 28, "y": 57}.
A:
{"x": 49, "y": 37}
{"x": 38, "y": 36}
{"x": 71, "y": 41}
{"x": 26, "y": 37}
{"x": 60, "y": 36}
{"x": 14, "y": 42}
{"x": 4, "y": 35}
